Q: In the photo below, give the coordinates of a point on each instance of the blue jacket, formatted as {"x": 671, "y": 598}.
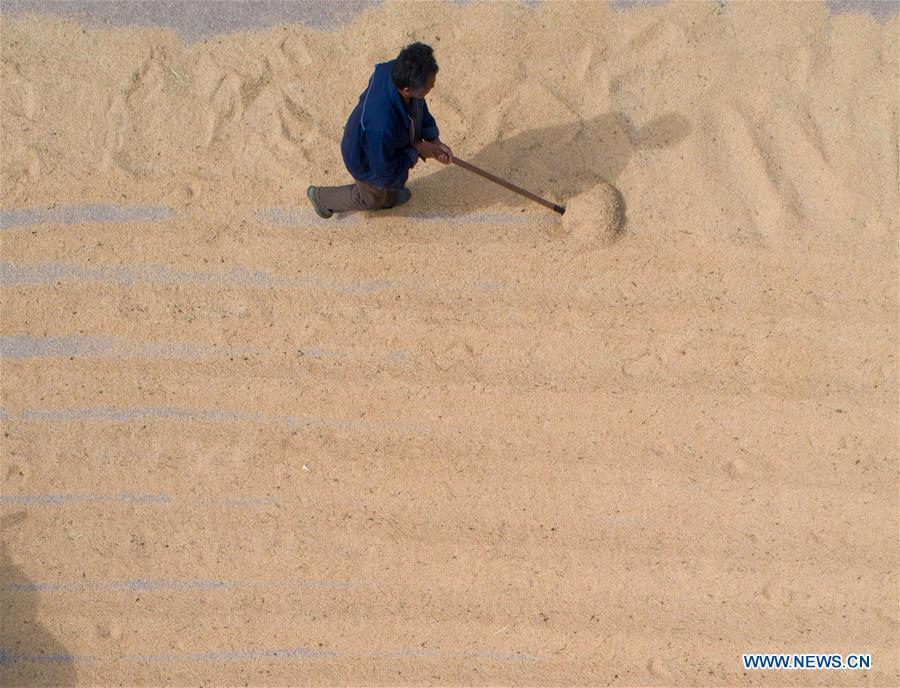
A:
{"x": 376, "y": 146}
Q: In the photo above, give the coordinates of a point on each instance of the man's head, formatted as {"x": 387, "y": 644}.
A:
{"x": 415, "y": 71}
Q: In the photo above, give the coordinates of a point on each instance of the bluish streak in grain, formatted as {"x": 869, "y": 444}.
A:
{"x": 27, "y": 346}
{"x": 78, "y": 214}
{"x": 126, "y": 414}
{"x": 141, "y": 584}
{"x": 60, "y": 499}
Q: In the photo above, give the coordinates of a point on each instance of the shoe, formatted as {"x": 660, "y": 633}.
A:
{"x": 402, "y": 197}
{"x": 313, "y": 196}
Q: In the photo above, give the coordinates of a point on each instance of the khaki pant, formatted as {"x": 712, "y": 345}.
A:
{"x": 362, "y": 196}
{"x": 356, "y": 196}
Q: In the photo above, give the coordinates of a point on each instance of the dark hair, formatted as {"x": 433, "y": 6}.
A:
{"x": 413, "y": 66}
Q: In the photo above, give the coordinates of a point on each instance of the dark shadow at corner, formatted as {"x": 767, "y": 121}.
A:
{"x": 29, "y": 655}
{"x": 557, "y": 163}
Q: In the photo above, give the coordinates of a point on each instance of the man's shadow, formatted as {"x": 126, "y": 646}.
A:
{"x": 556, "y": 163}
{"x": 29, "y": 655}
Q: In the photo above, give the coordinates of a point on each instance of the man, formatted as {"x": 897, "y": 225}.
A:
{"x": 387, "y": 133}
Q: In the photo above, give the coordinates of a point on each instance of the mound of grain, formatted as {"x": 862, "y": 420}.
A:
{"x": 595, "y": 215}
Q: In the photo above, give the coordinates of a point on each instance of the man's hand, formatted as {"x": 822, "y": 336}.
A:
{"x": 434, "y": 149}
{"x": 444, "y": 154}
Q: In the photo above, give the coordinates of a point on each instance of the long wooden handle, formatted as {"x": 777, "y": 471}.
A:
{"x": 512, "y": 187}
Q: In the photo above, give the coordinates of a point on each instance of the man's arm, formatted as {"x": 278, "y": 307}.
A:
{"x": 432, "y": 147}
{"x": 429, "y": 126}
